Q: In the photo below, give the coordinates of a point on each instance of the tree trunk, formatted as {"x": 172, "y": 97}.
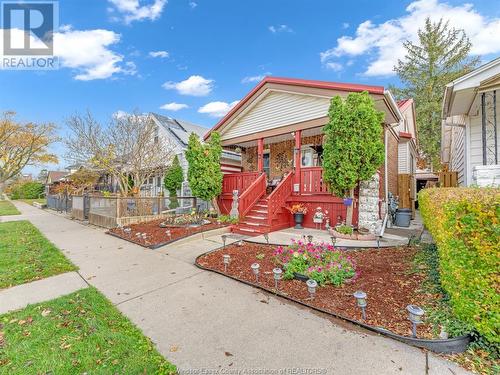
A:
{"x": 350, "y": 208}
{"x": 215, "y": 204}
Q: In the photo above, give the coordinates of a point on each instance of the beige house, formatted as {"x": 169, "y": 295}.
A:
{"x": 470, "y": 134}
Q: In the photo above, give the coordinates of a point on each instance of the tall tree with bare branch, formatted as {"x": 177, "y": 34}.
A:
{"x": 23, "y": 144}
{"x": 130, "y": 148}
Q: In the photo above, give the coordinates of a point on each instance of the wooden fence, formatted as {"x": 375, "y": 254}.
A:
{"x": 406, "y": 191}
{"x": 448, "y": 179}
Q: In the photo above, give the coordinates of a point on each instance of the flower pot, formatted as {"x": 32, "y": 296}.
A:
{"x": 348, "y": 201}
{"x": 299, "y": 219}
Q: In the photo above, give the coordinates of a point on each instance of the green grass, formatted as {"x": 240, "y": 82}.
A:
{"x": 75, "y": 334}
{"x": 7, "y": 208}
{"x": 31, "y": 201}
{"x": 26, "y": 255}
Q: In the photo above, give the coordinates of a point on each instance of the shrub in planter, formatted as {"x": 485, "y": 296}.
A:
{"x": 318, "y": 261}
{"x": 465, "y": 223}
{"x": 344, "y": 229}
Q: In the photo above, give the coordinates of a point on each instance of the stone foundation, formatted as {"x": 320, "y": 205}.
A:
{"x": 369, "y": 205}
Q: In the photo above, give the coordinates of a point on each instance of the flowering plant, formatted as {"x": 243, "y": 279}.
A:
{"x": 297, "y": 209}
{"x": 318, "y": 261}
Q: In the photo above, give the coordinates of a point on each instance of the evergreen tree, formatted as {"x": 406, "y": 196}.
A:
{"x": 204, "y": 172}
{"x": 440, "y": 56}
{"x": 172, "y": 181}
{"x": 353, "y": 149}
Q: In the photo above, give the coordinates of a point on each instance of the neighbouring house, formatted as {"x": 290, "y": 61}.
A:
{"x": 470, "y": 135}
{"x": 53, "y": 178}
{"x": 277, "y": 128}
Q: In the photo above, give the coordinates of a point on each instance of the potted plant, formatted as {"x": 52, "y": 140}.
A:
{"x": 298, "y": 211}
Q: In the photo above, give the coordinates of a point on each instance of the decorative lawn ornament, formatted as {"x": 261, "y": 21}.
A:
{"x": 311, "y": 287}
{"x": 255, "y": 269}
{"x": 226, "y": 258}
{"x": 127, "y": 230}
{"x": 224, "y": 238}
{"x": 310, "y": 238}
{"x": 361, "y": 300}
{"x": 415, "y": 315}
{"x": 318, "y": 217}
{"x": 277, "y": 272}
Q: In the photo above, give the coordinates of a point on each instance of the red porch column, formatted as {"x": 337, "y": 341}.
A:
{"x": 260, "y": 155}
{"x": 297, "y": 154}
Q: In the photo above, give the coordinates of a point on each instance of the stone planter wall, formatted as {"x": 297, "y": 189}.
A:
{"x": 369, "y": 204}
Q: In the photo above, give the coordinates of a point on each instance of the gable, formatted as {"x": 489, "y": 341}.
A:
{"x": 277, "y": 109}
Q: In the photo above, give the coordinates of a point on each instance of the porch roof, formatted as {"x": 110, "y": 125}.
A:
{"x": 280, "y": 93}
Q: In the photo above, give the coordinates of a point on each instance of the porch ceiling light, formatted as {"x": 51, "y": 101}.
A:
{"x": 311, "y": 287}
{"x": 361, "y": 301}
{"x": 226, "y": 258}
{"x": 277, "y": 272}
{"x": 415, "y": 314}
{"x": 255, "y": 269}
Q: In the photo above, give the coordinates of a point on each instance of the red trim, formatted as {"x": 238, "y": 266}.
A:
{"x": 351, "y": 87}
{"x": 402, "y": 104}
{"x": 405, "y": 135}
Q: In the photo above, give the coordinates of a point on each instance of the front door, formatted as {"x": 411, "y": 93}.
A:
{"x": 266, "y": 164}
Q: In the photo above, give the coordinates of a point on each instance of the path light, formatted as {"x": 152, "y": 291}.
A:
{"x": 127, "y": 230}
{"x": 266, "y": 237}
{"x": 378, "y": 241}
{"x": 226, "y": 258}
{"x": 334, "y": 240}
{"x": 361, "y": 300}
{"x": 277, "y": 276}
{"x": 310, "y": 238}
{"x": 255, "y": 269}
{"x": 240, "y": 243}
{"x": 415, "y": 314}
{"x": 224, "y": 237}
{"x": 311, "y": 287}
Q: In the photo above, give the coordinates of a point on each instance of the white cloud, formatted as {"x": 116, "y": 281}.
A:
{"x": 194, "y": 85}
{"x": 280, "y": 29}
{"x": 161, "y": 54}
{"x": 174, "y": 106}
{"x": 217, "y": 109}
{"x": 385, "y": 40}
{"x": 336, "y": 67}
{"x": 132, "y": 10}
{"x": 256, "y": 78}
{"x": 192, "y": 4}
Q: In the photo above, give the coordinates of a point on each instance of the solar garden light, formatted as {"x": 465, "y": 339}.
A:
{"x": 224, "y": 238}
{"x": 361, "y": 300}
{"x": 334, "y": 240}
{"x": 255, "y": 269}
{"x": 277, "y": 276}
{"x": 311, "y": 287}
{"x": 240, "y": 243}
{"x": 310, "y": 238}
{"x": 226, "y": 258}
{"x": 266, "y": 237}
{"x": 415, "y": 314}
{"x": 168, "y": 233}
{"x": 378, "y": 241}
{"x": 127, "y": 230}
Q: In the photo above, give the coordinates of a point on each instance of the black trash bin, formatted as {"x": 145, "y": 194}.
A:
{"x": 403, "y": 217}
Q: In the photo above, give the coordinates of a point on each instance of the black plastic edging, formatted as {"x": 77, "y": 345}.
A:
{"x": 453, "y": 345}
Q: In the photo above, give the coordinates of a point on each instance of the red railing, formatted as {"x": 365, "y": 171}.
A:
{"x": 311, "y": 181}
{"x": 252, "y": 194}
{"x": 278, "y": 197}
{"x": 238, "y": 181}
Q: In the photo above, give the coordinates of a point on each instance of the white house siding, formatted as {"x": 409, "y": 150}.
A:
{"x": 457, "y": 159}
{"x": 278, "y": 109}
{"x": 475, "y": 142}
{"x": 403, "y": 158}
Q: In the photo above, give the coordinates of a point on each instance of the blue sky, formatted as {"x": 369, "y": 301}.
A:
{"x": 197, "y": 58}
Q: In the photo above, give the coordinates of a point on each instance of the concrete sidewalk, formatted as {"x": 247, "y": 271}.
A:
{"x": 201, "y": 320}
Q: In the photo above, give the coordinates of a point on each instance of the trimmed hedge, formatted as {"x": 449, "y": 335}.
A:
{"x": 465, "y": 225}
{"x": 27, "y": 190}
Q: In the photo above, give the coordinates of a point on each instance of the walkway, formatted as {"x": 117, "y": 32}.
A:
{"x": 201, "y": 320}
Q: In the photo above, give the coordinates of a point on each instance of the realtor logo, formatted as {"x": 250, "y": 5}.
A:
{"x": 28, "y": 34}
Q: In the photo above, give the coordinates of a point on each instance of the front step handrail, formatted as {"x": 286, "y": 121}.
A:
{"x": 251, "y": 195}
{"x": 278, "y": 197}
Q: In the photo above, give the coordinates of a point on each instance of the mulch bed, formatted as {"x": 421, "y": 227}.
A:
{"x": 156, "y": 236}
{"x": 386, "y": 275}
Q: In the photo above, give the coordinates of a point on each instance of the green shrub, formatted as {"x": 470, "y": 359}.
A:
{"x": 27, "y": 190}
{"x": 465, "y": 225}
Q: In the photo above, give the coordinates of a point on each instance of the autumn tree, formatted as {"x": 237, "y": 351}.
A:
{"x": 204, "y": 172}
{"x": 83, "y": 179}
{"x": 129, "y": 148}
{"x": 352, "y": 145}
{"x": 440, "y": 56}
{"x": 24, "y": 144}
{"x": 174, "y": 176}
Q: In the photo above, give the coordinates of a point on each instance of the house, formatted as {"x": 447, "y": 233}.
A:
{"x": 470, "y": 132}
{"x": 277, "y": 128}
{"x": 177, "y": 132}
{"x": 53, "y": 178}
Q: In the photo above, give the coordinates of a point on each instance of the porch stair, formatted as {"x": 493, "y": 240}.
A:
{"x": 256, "y": 221}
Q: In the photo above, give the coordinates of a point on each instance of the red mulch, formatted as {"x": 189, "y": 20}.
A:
{"x": 385, "y": 275}
{"x": 156, "y": 235}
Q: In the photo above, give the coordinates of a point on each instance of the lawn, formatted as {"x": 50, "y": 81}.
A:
{"x": 7, "y": 208}
{"x": 75, "y": 334}
{"x": 31, "y": 201}
{"x": 26, "y": 255}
